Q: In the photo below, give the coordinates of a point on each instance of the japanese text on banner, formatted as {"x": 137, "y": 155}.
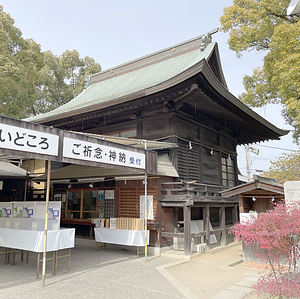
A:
{"x": 21, "y": 139}
{"x": 88, "y": 151}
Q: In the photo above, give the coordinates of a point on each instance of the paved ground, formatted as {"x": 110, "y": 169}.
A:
{"x": 111, "y": 273}
{"x": 218, "y": 274}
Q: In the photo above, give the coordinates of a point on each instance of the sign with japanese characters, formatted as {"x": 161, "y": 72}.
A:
{"x": 21, "y": 139}
{"x": 87, "y": 151}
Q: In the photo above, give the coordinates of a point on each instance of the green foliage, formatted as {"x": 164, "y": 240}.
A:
{"x": 263, "y": 25}
{"x": 32, "y": 82}
{"x": 20, "y": 63}
{"x": 285, "y": 168}
{"x": 62, "y": 78}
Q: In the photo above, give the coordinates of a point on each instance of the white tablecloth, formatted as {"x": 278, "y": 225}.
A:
{"x": 121, "y": 236}
{"x": 32, "y": 240}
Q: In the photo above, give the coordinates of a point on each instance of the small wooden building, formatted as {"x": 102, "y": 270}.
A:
{"x": 256, "y": 195}
{"x": 177, "y": 95}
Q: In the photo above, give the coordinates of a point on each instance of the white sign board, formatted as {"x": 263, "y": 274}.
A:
{"x": 21, "y": 139}
{"x": 87, "y": 151}
{"x": 109, "y": 194}
{"x": 292, "y": 192}
{"x": 248, "y": 217}
{"x": 149, "y": 207}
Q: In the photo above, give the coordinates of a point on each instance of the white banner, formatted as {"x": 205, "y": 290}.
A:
{"x": 149, "y": 207}
{"x": 292, "y": 192}
{"x": 21, "y": 139}
{"x": 82, "y": 150}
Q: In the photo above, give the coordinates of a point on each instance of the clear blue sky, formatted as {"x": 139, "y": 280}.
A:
{"x": 116, "y": 31}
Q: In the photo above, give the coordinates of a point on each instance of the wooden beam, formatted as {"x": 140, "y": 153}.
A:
{"x": 187, "y": 230}
{"x": 172, "y": 235}
{"x": 203, "y": 234}
{"x": 206, "y": 225}
{"x": 175, "y": 220}
{"x": 241, "y": 203}
{"x": 222, "y": 223}
{"x": 194, "y": 235}
{"x": 235, "y": 215}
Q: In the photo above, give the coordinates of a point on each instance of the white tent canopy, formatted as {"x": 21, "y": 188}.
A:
{"x": 9, "y": 170}
{"x": 92, "y": 173}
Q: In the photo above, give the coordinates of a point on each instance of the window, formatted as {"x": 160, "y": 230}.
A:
{"x": 124, "y": 133}
{"x": 109, "y": 207}
{"x": 74, "y": 203}
{"x": 228, "y": 173}
{"x": 129, "y": 201}
{"x": 89, "y": 203}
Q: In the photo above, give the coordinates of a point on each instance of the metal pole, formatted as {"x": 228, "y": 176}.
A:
{"x": 26, "y": 182}
{"x": 146, "y": 208}
{"x": 46, "y": 222}
{"x": 248, "y": 162}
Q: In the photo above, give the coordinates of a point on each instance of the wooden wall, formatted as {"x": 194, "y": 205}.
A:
{"x": 189, "y": 161}
{"x": 129, "y": 201}
{"x": 198, "y": 156}
{"x": 201, "y": 161}
{"x": 211, "y": 166}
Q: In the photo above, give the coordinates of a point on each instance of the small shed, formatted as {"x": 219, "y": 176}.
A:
{"x": 256, "y": 195}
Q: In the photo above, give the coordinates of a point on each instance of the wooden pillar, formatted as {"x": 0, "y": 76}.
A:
{"x": 235, "y": 214}
{"x": 222, "y": 223}
{"x": 187, "y": 229}
{"x": 206, "y": 226}
{"x": 175, "y": 220}
{"x": 241, "y": 204}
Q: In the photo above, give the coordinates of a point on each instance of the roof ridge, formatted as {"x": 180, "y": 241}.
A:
{"x": 199, "y": 42}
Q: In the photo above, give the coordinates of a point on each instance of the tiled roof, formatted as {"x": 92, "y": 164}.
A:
{"x": 133, "y": 78}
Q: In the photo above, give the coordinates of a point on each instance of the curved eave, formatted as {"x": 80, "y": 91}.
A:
{"x": 250, "y": 187}
{"x": 224, "y": 98}
{"x": 129, "y": 97}
{"x": 225, "y": 107}
{"x": 117, "y": 101}
{"x": 134, "y": 80}
{"x": 216, "y": 56}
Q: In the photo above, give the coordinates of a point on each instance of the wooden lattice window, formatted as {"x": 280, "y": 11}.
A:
{"x": 129, "y": 203}
{"x": 228, "y": 173}
{"x": 109, "y": 207}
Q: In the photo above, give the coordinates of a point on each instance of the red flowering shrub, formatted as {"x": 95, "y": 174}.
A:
{"x": 285, "y": 286}
{"x": 277, "y": 232}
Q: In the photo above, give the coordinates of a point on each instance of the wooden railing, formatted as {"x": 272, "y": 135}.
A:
{"x": 175, "y": 190}
{"x": 193, "y": 235}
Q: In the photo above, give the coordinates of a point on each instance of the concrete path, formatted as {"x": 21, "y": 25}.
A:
{"x": 110, "y": 273}
{"x": 218, "y": 274}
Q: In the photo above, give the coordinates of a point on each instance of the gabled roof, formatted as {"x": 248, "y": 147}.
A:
{"x": 259, "y": 186}
{"x": 148, "y": 77}
{"x": 136, "y": 78}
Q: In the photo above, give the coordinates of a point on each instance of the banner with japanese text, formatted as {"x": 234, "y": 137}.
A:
{"x": 21, "y": 139}
{"x": 87, "y": 151}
